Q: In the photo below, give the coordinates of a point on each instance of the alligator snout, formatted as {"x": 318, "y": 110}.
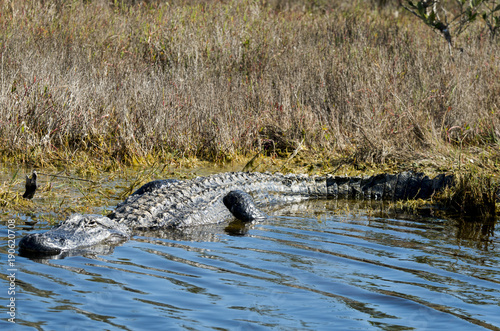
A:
{"x": 40, "y": 244}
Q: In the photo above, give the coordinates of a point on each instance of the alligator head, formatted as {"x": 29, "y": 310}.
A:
{"x": 75, "y": 233}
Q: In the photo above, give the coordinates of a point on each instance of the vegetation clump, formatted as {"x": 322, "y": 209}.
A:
{"x": 472, "y": 196}
{"x": 138, "y": 81}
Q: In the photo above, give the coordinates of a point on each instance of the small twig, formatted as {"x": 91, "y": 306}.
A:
{"x": 293, "y": 154}
{"x": 364, "y": 135}
{"x": 342, "y": 163}
{"x": 250, "y": 163}
{"x": 338, "y": 167}
{"x": 68, "y": 177}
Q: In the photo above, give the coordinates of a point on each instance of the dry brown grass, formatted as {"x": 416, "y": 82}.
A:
{"x": 209, "y": 79}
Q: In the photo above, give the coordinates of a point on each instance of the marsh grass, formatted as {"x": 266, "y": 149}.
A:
{"x": 139, "y": 81}
{"x": 74, "y": 189}
{"x": 54, "y": 199}
{"x": 10, "y": 197}
{"x": 473, "y": 195}
{"x": 99, "y": 85}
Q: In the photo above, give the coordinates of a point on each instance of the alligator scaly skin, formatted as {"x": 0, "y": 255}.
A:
{"x": 199, "y": 201}
{"x": 177, "y": 204}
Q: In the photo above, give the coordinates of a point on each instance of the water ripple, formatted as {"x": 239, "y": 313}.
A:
{"x": 316, "y": 265}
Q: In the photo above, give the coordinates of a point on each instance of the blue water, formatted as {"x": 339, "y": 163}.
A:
{"x": 317, "y": 265}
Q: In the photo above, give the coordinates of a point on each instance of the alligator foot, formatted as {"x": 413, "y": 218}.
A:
{"x": 242, "y": 206}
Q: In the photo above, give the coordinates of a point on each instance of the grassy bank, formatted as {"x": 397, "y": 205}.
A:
{"x": 152, "y": 80}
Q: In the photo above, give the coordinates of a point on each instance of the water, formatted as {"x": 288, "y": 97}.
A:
{"x": 317, "y": 265}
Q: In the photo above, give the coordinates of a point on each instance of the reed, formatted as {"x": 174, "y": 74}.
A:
{"x": 138, "y": 81}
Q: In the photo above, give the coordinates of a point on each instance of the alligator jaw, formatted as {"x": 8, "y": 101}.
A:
{"x": 76, "y": 233}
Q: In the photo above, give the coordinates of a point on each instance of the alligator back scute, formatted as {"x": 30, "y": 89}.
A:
{"x": 402, "y": 189}
{"x": 153, "y": 186}
{"x": 305, "y": 186}
{"x": 426, "y": 188}
{"x": 438, "y": 182}
{"x": 340, "y": 187}
{"x": 390, "y": 186}
{"x": 319, "y": 188}
{"x": 355, "y": 185}
{"x": 378, "y": 187}
{"x": 343, "y": 187}
{"x": 332, "y": 188}
{"x": 366, "y": 187}
{"x": 413, "y": 183}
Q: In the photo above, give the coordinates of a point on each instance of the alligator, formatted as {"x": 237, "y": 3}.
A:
{"x": 175, "y": 204}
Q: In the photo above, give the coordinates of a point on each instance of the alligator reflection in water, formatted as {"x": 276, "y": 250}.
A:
{"x": 469, "y": 234}
{"x": 201, "y": 233}
{"x": 475, "y": 234}
{"x": 472, "y": 234}
{"x": 478, "y": 234}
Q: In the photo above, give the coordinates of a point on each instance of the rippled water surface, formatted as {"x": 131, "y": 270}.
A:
{"x": 317, "y": 265}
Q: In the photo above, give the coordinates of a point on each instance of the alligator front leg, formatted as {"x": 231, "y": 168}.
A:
{"x": 242, "y": 206}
